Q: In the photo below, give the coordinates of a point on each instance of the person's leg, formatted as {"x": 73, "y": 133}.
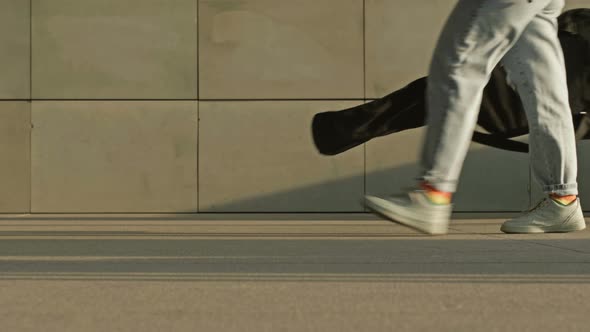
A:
{"x": 536, "y": 66}
{"x": 476, "y": 36}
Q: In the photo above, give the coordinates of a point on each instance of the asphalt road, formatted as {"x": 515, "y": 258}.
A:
{"x": 286, "y": 273}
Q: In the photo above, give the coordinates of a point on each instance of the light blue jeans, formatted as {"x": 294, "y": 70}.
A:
{"x": 522, "y": 36}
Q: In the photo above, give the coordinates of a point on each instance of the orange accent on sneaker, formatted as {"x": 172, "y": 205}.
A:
{"x": 436, "y": 196}
{"x": 564, "y": 200}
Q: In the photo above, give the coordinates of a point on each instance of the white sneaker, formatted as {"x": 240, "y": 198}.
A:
{"x": 413, "y": 210}
{"x": 548, "y": 217}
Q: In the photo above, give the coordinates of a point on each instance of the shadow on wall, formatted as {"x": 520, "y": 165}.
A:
{"x": 345, "y": 195}
{"x": 492, "y": 181}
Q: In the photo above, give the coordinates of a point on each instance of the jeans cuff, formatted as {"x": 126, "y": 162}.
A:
{"x": 561, "y": 189}
{"x": 438, "y": 184}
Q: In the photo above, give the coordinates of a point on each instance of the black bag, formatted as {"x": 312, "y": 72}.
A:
{"x": 501, "y": 115}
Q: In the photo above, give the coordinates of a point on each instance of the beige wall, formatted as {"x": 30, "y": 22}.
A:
{"x": 205, "y": 106}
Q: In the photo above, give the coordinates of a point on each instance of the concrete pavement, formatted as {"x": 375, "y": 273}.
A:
{"x": 349, "y": 272}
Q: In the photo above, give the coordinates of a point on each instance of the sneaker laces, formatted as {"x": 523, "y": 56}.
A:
{"x": 409, "y": 189}
{"x": 539, "y": 206}
{"x": 405, "y": 193}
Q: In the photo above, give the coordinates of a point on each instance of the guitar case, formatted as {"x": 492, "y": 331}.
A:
{"x": 501, "y": 116}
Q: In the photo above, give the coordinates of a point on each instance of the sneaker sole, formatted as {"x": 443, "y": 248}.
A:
{"x": 574, "y": 227}
{"x": 398, "y": 215}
